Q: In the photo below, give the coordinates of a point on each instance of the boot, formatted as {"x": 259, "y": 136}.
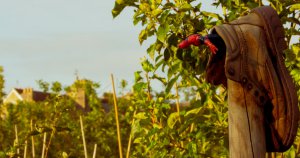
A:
{"x": 254, "y": 59}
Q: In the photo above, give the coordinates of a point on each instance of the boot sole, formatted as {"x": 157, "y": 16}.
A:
{"x": 275, "y": 35}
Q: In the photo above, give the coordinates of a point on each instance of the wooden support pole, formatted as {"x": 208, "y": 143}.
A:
{"x": 44, "y": 145}
{"x": 25, "y": 149}
{"x": 95, "y": 151}
{"x": 117, "y": 117}
{"x": 32, "y": 140}
{"x": 17, "y": 140}
{"x": 83, "y": 138}
{"x": 130, "y": 136}
{"x": 246, "y": 124}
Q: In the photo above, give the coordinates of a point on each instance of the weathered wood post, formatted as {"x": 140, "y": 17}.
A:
{"x": 246, "y": 127}
{"x": 117, "y": 116}
{"x": 263, "y": 102}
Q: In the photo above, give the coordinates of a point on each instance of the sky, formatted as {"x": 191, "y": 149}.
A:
{"x": 53, "y": 40}
{"x": 57, "y": 40}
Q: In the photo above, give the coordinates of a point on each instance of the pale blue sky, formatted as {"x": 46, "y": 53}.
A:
{"x": 52, "y": 39}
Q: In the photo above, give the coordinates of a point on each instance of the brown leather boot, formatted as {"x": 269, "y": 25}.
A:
{"x": 254, "y": 58}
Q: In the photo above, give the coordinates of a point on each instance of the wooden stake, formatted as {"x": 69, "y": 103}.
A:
{"x": 246, "y": 124}
{"x": 116, "y": 115}
{"x": 95, "y": 151}
{"x": 25, "y": 149}
{"x": 83, "y": 138}
{"x": 32, "y": 140}
{"x": 44, "y": 144}
{"x": 17, "y": 140}
{"x": 130, "y": 137}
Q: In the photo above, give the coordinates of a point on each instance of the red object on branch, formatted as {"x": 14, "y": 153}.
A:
{"x": 191, "y": 40}
{"x": 196, "y": 40}
{"x": 211, "y": 46}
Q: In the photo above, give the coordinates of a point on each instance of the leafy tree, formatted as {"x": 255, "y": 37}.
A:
{"x": 58, "y": 117}
{"x": 1, "y": 84}
{"x": 201, "y": 128}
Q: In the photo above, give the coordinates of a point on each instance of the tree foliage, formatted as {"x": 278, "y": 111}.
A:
{"x": 201, "y": 128}
{"x": 1, "y": 84}
{"x": 187, "y": 119}
{"x": 58, "y": 117}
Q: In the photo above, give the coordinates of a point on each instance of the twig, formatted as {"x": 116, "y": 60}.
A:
{"x": 153, "y": 118}
{"x": 116, "y": 115}
{"x": 83, "y": 138}
{"x": 177, "y": 101}
{"x": 148, "y": 87}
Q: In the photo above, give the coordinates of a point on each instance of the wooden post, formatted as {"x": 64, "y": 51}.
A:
{"x": 17, "y": 140}
{"x": 130, "y": 136}
{"x": 25, "y": 149}
{"x": 117, "y": 117}
{"x": 44, "y": 145}
{"x": 83, "y": 137}
{"x": 95, "y": 151}
{"x": 246, "y": 125}
{"x": 32, "y": 140}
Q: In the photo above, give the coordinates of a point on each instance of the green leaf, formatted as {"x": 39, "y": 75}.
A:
{"x": 195, "y": 111}
{"x": 167, "y": 54}
{"x": 137, "y": 17}
{"x": 171, "y": 83}
{"x": 162, "y": 32}
{"x": 138, "y": 140}
{"x": 151, "y": 51}
{"x": 296, "y": 49}
{"x": 237, "y": 2}
{"x": 179, "y": 54}
{"x": 295, "y": 7}
{"x": 137, "y": 76}
{"x": 147, "y": 66}
{"x": 292, "y": 152}
{"x": 173, "y": 119}
{"x": 173, "y": 40}
{"x": 156, "y": 12}
{"x": 143, "y": 36}
{"x": 252, "y": 5}
{"x": 118, "y": 8}
{"x": 141, "y": 116}
{"x": 65, "y": 155}
{"x": 138, "y": 87}
{"x": 173, "y": 69}
{"x": 161, "y": 79}
{"x": 210, "y": 14}
{"x": 145, "y": 7}
{"x": 185, "y": 7}
{"x": 120, "y": 1}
